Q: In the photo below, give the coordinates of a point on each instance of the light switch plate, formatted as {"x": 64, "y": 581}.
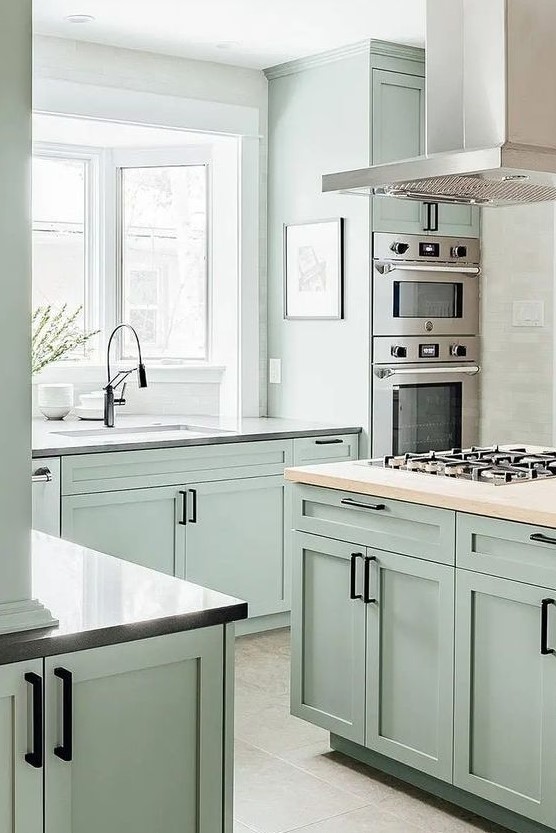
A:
{"x": 275, "y": 371}
{"x": 528, "y": 314}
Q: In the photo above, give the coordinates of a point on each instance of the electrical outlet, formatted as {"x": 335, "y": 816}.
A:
{"x": 528, "y": 314}
{"x": 275, "y": 371}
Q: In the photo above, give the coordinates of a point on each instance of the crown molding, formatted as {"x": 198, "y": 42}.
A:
{"x": 375, "y": 47}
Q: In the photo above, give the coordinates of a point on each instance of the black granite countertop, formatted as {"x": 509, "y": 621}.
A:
{"x": 72, "y": 436}
{"x": 100, "y": 600}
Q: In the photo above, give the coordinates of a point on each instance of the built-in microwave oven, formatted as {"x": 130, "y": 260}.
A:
{"x": 425, "y": 285}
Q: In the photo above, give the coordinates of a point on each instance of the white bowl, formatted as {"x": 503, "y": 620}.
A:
{"x": 55, "y": 412}
{"x": 52, "y": 395}
{"x": 96, "y": 414}
{"x": 92, "y": 400}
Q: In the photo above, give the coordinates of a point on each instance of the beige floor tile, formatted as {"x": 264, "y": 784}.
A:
{"x": 367, "y": 820}
{"x": 273, "y": 796}
{"x": 241, "y": 828}
{"x": 341, "y": 771}
{"x": 430, "y": 813}
{"x": 263, "y": 663}
{"x": 265, "y": 721}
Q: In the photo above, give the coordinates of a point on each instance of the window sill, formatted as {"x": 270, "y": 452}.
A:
{"x": 88, "y": 374}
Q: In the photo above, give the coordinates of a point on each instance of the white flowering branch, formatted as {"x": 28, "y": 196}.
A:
{"x": 54, "y": 333}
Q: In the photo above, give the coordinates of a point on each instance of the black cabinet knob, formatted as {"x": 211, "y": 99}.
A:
{"x": 459, "y": 251}
{"x": 399, "y": 248}
{"x": 458, "y": 350}
{"x": 399, "y": 352}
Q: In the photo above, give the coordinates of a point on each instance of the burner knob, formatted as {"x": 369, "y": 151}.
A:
{"x": 459, "y": 251}
{"x": 458, "y": 350}
{"x": 399, "y": 248}
{"x": 399, "y": 352}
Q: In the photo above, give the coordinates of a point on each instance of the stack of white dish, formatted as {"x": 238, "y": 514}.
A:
{"x": 55, "y": 401}
{"x": 91, "y": 405}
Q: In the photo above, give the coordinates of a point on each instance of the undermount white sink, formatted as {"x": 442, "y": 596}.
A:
{"x": 132, "y": 430}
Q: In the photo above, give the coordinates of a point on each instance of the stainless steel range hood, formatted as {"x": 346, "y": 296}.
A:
{"x": 491, "y": 109}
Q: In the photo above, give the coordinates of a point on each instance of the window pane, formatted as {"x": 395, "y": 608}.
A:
{"x": 59, "y": 235}
{"x": 164, "y": 243}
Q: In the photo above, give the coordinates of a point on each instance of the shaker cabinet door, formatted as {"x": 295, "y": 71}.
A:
{"x": 237, "y": 540}
{"x": 139, "y": 525}
{"x": 410, "y": 662}
{"x": 21, "y": 756}
{"x": 134, "y": 737}
{"x": 328, "y": 635}
{"x": 505, "y": 698}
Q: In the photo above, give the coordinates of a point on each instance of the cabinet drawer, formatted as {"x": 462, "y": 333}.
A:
{"x": 84, "y": 473}
{"x": 391, "y": 525}
{"x": 46, "y": 495}
{"x": 309, "y": 451}
{"x": 507, "y": 549}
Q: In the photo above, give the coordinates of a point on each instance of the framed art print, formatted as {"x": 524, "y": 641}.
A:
{"x": 313, "y": 269}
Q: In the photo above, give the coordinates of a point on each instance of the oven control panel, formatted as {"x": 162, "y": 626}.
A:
{"x": 411, "y": 248}
{"x": 414, "y": 350}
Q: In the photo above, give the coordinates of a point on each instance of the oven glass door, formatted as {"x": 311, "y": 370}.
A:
{"x": 426, "y": 417}
{"x": 414, "y": 302}
{"x": 416, "y": 412}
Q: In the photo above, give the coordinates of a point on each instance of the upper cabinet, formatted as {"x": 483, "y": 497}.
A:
{"x": 398, "y": 132}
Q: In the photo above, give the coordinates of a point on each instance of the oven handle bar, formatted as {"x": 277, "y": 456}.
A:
{"x": 384, "y": 267}
{"x": 387, "y": 372}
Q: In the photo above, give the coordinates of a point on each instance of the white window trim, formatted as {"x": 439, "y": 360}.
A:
{"x": 97, "y": 101}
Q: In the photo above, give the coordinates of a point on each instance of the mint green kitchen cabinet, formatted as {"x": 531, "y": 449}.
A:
{"x": 312, "y": 451}
{"x": 146, "y": 752}
{"x": 237, "y": 540}
{"x": 398, "y": 132}
{"x": 45, "y": 474}
{"x": 372, "y": 649}
{"x": 328, "y": 635}
{"x": 21, "y": 782}
{"x": 139, "y": 525}
{"x": 505, "y": 695}
{"x": 410, "y": 635}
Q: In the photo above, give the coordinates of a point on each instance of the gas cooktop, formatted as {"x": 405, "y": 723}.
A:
{"x": 493, "y": 465}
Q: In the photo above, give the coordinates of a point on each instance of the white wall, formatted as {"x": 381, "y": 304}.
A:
{"x": 99, "y": 66}
{"x": 319, "y": 122}
{"x": 15, "y": 309}
{"x": 517, "y": 363}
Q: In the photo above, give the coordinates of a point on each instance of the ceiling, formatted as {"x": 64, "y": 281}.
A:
{"x": 250, "y": 33}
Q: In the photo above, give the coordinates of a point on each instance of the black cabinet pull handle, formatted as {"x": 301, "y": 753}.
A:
{"x": 353, "y": 594}
{"x": 367, "y": 580}
{"x": 335, "y": 441}
{"x": 36, "y": 757}
{"x": 434, "y": 214}
{"x": 65, "y": 750}
{"x": 428, "y": 217}
{"x": 193, "y": 518}
{"x": 183, "y": 520}
{"x": 376, "y": 507}
{"x": 542, "y": 539}
{"x": 545, "y": 604}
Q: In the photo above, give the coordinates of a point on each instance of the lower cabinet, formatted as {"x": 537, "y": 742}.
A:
{"x": 410, "y": 661}
{"x": 505, "y": 712}
{"x": 133, "y": 739}
{"x": 372, "y": 649}
{"x": 139, "y": 525}
{"x": 236, "y": 541}
{"x": 21, "y": 777}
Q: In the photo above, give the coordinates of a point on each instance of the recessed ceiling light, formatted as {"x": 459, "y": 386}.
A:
{"x": 227, "y": 44}
{"x": 80, "y": 18}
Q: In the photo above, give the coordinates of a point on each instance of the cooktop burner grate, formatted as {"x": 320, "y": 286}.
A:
{"x": 493, "y": 464}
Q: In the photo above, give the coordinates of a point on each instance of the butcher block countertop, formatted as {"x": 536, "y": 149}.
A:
{"x": 529, "y": 502}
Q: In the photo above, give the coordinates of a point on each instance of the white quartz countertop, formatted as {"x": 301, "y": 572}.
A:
{"x": 531, "y": 502}
{"x": 101, "y": 600}
{"x": 50, "y": 438}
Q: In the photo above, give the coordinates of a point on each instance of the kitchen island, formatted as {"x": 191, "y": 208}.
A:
{"x": 424, "y": 631}
{"x": 121, "y": 716}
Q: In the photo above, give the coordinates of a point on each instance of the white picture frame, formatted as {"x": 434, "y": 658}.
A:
{"x": 314, "y": 270}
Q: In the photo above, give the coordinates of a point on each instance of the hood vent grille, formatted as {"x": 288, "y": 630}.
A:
{"x": 475, "y": 190}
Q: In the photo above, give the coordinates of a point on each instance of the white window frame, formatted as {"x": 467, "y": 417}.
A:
{"x": 94, "y": 272}
{"x": 121, "y": 158}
